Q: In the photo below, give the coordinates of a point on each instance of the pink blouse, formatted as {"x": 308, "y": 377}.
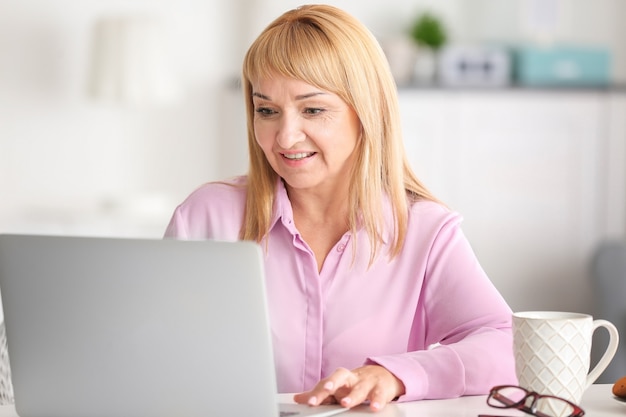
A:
{"x": 430, "y": 315}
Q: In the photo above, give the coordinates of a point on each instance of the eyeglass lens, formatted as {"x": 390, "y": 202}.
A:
{"x": 540, "y": 406}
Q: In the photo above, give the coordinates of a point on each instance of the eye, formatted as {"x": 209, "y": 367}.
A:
{"x": 313, "y": 110}
{"x": 265, "y": 111}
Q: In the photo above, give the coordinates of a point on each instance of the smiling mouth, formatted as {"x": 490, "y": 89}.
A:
{"x": 298, "y": 156}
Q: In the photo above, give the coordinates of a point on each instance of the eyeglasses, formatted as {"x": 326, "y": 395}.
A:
{"x": 510, "y": 396}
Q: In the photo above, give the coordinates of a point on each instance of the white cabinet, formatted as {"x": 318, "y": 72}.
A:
{"x": 538, "y": 176}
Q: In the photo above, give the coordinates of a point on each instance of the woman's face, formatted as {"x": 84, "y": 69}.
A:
{"x": 308, "y": 135}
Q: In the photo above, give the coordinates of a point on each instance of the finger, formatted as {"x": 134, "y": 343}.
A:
{"x": 316, "y": 396}
{"x": 323, "y": 392}
{"x": 387, "y": 390}
{"x": 355, "y": 395}
{"x": 309, "y": 399}
{"x": 375, "y": 384}
{"x": 379, "y": 398}
{"x": 354, "y": 390}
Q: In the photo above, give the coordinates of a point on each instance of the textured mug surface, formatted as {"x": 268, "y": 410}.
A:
{"x": 552, "y": 352}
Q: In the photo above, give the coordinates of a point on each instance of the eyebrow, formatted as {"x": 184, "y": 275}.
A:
{"x": 299, "y": 97}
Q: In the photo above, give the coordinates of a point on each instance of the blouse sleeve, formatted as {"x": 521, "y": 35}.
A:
{"x": 468, "y": 327}
{"x": 213, "y": 211}
{"x": 176, "y": 229}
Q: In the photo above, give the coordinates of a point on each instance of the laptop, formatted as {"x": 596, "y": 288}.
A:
{"x": 119, "y": 327}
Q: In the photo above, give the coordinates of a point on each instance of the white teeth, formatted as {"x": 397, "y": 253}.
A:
{"x": 300, "y": 155}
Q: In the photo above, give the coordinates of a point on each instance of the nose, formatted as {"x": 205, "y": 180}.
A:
{"x": 290, "y": 131}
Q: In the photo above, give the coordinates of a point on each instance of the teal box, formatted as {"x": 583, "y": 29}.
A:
{"x": 562, "y": 66}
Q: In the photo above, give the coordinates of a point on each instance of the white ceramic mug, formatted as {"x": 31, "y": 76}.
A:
{"x": 553, "y": 349}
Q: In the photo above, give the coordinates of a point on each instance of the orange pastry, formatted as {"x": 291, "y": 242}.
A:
{"x": 619, "y": 388}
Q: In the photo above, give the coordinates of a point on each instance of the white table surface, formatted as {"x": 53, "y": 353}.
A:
{"x": 598, "y": 401}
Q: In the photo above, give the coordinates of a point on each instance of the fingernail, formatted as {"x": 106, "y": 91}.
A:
{"x": 329, "y": 385}
{"x": 375, "y": 406}
{"x": 346, "y": 401}
{"x": 312, "y": 401}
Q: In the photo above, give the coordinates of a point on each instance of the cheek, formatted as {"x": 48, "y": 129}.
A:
{"x": 260, "y": 134}
{"x": 263, "y": 139}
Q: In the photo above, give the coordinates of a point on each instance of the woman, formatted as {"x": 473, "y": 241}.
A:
{"x": 374, "y": 292}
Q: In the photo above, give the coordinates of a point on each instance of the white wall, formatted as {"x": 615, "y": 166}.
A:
{"x": 73, "y": 166}
{"x": 70, "y": 164}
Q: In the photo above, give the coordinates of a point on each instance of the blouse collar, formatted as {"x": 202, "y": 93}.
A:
{"x": 283, "y": 211}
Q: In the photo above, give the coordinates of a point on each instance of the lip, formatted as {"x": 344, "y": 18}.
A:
{"x": 297, "y": 156}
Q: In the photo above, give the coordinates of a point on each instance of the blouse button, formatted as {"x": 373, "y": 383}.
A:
{"x": 341, "y": 247}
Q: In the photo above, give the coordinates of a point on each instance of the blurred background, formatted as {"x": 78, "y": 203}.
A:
{"x": 112, "y": 111}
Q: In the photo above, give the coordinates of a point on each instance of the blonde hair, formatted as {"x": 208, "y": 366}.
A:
{"x": 328, "y": 48}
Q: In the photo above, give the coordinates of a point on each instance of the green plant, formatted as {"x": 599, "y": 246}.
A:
{"x": 428, "y": 30}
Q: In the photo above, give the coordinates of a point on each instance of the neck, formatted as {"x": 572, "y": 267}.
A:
{"x": 328, "y": 206}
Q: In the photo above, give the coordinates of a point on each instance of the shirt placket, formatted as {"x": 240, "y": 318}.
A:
{"x": 316, "y": 287}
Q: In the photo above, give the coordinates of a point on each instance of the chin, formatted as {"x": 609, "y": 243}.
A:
{"x": 299, "y": 183}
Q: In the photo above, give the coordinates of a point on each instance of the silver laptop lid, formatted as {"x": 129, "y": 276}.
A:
{"x": 136, "y": 328}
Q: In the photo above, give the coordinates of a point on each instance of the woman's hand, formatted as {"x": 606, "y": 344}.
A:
{"x": 371, "y": 383}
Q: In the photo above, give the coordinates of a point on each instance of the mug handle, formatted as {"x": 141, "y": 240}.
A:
{"x": 608, "y": 353}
